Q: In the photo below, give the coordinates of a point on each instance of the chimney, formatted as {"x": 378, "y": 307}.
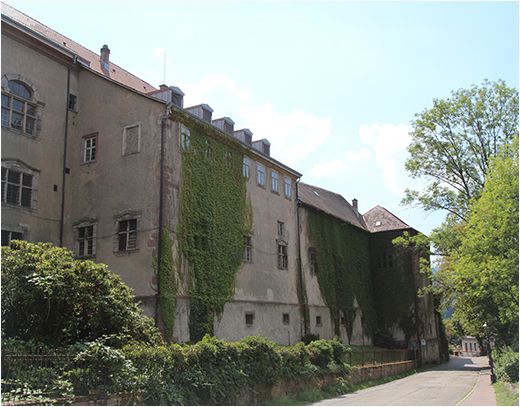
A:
{"x": 354, "y": 204}
{"x": 202, "y": 111}
{"x": 225, "y": 124}
{"x": 263, "y": 146}
{"x": 104, "y": 57}
{"x": 244, "y": 135}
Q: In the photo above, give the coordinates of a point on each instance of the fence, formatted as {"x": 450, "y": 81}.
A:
{"x": 367, "y": 357}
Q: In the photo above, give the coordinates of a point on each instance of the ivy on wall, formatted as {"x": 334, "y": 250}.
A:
{"x": 394, "y": 283}
{"x": 343, "y": 270}
{"x": 213, "y": 215}
{"x": 168, "y": 284}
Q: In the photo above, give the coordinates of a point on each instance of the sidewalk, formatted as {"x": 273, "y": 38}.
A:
{"x": 483, "y": 393}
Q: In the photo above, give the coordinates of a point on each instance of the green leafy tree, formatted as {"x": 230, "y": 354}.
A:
{"x": 453, "y": 141}
{"x": 49, "y": 296}
{"x": 485, "y": 268}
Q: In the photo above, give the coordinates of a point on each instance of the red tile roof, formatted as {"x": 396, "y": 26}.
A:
{"x": 115, "y": 72}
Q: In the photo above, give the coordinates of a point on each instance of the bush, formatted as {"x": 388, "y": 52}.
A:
{"x": 321, "y": 353}
{"x": 506, "y": 364}
{"x": 49, "y": 296}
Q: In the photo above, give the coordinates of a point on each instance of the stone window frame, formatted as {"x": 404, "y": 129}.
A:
{"x": 84, "y": 223}
{"x": 287, "y": 187}
{"x": 20, "y": 166}
{"x": 286, "y": 318}
{"x": 124, "y": 153}
{"x": 249, "y": 318}
{"x": 184, "y": 137}
{"x": 91, "y": 136}
{"x": 10, "y": 237}
{"x": 126, "y": 215}
{"x": 319, "y": 321}
{"x": 248, "y": 249}
{"x": 275, "y": 184}
{"x": 34, "y": 101}
{"x": 260, "y": 175}
{"x": 282, "y": 255}
{"x": 246, "y": 168}
{"x": 280, "y": 228}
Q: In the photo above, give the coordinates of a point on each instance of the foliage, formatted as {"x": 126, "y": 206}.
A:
{"x": 168, "y": 285}
{"x": 485, "y": 269}
{"x": 506, "y": 364}
{"x": 213, "y": 222}
{"x": 343, "y": 270}
{"x": 453, "y": 142}
{"x": 49, "y": 296}
{"x": 506, "y": 393}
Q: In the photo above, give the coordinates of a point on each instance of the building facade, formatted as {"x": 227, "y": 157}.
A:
{"x": 95, "y": 159}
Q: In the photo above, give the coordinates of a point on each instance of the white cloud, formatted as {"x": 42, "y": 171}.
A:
{"x": 388, "y": 142}
{"x": 352, "y": 160}
{"x": 293, "y": 135}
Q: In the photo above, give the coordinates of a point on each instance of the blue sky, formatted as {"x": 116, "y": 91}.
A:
{"x": 333, "y": 85}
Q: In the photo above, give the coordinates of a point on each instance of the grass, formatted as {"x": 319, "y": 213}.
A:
{"x": 339, "y": 388}
{"x": 507, "y": 393}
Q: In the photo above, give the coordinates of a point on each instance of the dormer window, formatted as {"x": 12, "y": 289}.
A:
{"x": 18, "y": 107}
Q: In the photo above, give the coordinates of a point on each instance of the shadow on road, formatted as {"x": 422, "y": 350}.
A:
{"x": 464, "y": 363}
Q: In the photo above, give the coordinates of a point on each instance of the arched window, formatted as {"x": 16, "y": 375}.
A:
{"x": 18, "y": 107}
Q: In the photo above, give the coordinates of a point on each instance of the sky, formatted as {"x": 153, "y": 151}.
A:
{"x": 333, "y": 85}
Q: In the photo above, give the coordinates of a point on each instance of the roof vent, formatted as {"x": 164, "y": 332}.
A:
{"x": 169, "y": 94}
{"x": 202, "y": 111}
{"x": 244, "y": 135}
{"x": 379, "y": 223}
{"x": 316, "y": 193}
{"x": 225, "y": 124}
{"x": 263, "y": 146}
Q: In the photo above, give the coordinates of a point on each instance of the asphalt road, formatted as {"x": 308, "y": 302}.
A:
{"x": 445, "y": 385}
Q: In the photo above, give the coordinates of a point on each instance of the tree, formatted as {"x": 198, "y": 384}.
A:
{"x": 453, "y": 142}
{"x": 49, "y": 296}
{"x": 485, "y": 268}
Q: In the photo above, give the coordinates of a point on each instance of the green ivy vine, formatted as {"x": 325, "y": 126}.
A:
{"x": 343, "y": 270}
{"x": 213, "y": 215}
{"x": 168, "y": 284}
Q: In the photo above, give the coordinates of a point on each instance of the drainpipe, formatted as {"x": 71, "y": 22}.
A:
{"x": 65, "y": 139}
{"x": 303, "y": 295}
{"x": 164, "y": 118}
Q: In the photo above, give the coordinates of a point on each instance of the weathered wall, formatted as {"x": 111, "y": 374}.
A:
{"x": 42, "y": 153}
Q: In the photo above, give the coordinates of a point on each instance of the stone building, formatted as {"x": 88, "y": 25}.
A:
{"x": 96, "y": 160}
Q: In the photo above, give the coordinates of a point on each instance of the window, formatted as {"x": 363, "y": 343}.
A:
{"x": 274, "y": 181}
{"x": 245, "y": 167}
{"x": 285, "y": 319}
{"x": 90, "y": 148}
{"x": 17, "y": 187}
{"x": 132, "y": 139}
{"x": 281, "y": 228}
{"x": 287, "y": 187}
{"x": 73, "y": 102}
{"x": 250, "y": 317}
{"x": 86, "y": 241}
{"x": 248, "y": 250}
{"x": 185, "y": 138}
{"x": 127, "y": 235}
{"x": 318, "y": 320}
{"x": 18, "y": 108}
{"x": 313, "y": 264}
{"x": 260, "y": 175}
{"x": 8, "y": 235}
{"x": 282, "y": 256}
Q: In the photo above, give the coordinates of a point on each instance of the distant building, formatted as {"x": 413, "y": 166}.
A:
{"x": 85, "y": 145}
{"x": 470, "y": 346}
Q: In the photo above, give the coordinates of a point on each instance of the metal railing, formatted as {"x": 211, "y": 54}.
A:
{"x": 366, "y": 357}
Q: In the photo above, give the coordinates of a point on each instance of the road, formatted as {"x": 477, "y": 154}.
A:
{"x": 444, "y": 385}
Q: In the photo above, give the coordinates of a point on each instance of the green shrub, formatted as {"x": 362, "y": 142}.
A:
{"x": 321, "y": 353}
{"x": 506, "y": 364}
{"x": 261, "y": 359}
{"x": 49, "y": 296}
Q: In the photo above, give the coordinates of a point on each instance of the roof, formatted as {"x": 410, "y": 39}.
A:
{"x": 379, "y": 219}
{"x": 115, "y": 72}
{"x": 330, "y": 203}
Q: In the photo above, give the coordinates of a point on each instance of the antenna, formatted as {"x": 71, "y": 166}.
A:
{"x": 164, "y": 67}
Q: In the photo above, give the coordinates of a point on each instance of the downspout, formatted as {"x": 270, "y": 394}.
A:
{"x": 161, "y": 206}
{"x": 65, "y": 139}
{"x": 303, "y": 295}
